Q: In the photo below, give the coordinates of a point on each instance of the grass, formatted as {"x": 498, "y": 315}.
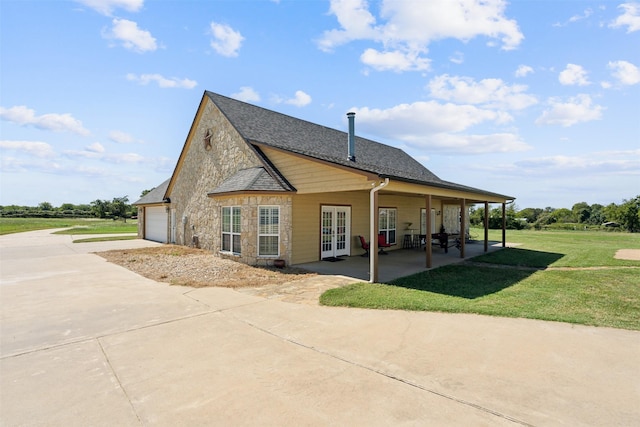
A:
{"x": 105, "y": 239}
{"x": 75, "y": 225}
{"x": 559, "y": 276}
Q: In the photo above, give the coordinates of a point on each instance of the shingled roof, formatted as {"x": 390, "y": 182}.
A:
{"x": 154, "y": 196}
{"x": 261, "y": 126}
{"x": 252, "y": 179}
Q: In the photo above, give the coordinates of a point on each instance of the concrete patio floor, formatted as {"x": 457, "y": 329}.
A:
{"x": 398, "y": 263}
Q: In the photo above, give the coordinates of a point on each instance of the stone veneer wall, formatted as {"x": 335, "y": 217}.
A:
{"x": 249, "y": 226}
{"x": 141, "y": 222}
{"x": 202, "y": 171}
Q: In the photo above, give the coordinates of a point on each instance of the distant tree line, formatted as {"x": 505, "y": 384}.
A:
{"x": 622, "y": 217}
{"x": 118, "y": 208}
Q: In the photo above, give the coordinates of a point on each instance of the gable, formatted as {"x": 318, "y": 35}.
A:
{"x": 309, "y": 175}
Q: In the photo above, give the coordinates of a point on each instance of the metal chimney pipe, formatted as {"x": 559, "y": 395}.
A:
{"x": 351, "y": 154}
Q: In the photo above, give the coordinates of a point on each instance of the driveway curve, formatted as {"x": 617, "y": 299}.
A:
{"x": 86, "y": 342}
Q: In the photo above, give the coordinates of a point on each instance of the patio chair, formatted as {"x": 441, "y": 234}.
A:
{"x": 364, "y": 245}
{"x": 382, "y": 243}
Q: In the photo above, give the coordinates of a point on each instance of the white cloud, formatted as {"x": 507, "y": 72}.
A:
{"x": 97, "y": 151}
{"x": 576, "y": 110}
{"x": 575, "y": 18}
{"x": 573, "y": 75}
{"x": 394, "y": 60}
{"x": 406, "y": 121}
{"x": 226, "y": 41}
{"x": 438, "y": 127}
{"x": 407, "y": 28}
{"x": 630, "y": 17}
{"x": 163, "y": 82}
{"x": 96, "y": 147}
{"x": 24, "y": 116}
{"x": 124, "y": 158}
{"x": 356, "y": 22}
{"x": 106, "y": 7}
{"x": 299, "y": 100}
{"x": 493, "y": 93}
{"x": 120, "y": 137}
{"x": 131, "y": 37}
{"x": 474, "y": 144}
{"x": 625, "y": 72}
{"x": 34, "y": 148}
{"x": 457, "y": 58}
{"x": 247, "y": 94}
{"x": 523, "y": 70}
{"x": 605, "y": 162}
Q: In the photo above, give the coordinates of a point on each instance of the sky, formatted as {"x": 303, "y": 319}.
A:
{"x": 539, "y": 100}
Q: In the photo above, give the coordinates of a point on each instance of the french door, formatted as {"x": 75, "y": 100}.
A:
{"x": 335, "y": 229}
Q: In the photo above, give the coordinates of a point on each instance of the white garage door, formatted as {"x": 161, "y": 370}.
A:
{"x": 155, "y": 224}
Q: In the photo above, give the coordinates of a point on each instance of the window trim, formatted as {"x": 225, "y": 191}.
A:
{"x": 386, "y": 230}
{"x": 277, "y": 235}
{"x": 231, "y": 232}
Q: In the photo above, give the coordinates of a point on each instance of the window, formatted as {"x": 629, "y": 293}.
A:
{"x": 423, "y": 221}
{"x": 269, "y": 231}
{"x": 231, "y": 229}
{"x": 387, "y": 224}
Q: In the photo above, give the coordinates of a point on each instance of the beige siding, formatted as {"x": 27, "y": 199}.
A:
{"x": 306, "y": 222}
{"x": 309, "y": 176}
{"x": 306, "y": 219}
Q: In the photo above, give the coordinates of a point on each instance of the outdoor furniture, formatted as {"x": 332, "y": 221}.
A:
{"x": 407, "y": 243}
{"x": 443, "y": 240}
{"x": 364, "y": 245}
{"x": 382, "y": 243}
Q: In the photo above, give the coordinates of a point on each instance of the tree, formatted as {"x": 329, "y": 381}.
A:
{"x": 581, "y": 211}
{"x": 119, "y": 207}
{"x": 530, "y": 214}
{"x": 597, "y": 214}
{"x": 476, "y": 216}
{"x": 629, "y": 214}
{"x": 563, "y": 215}
{"x": 100, "y": 208}
{"x": 45, "y": 206}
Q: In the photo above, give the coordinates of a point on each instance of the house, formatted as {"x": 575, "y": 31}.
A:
{"x": 255, "y": 185}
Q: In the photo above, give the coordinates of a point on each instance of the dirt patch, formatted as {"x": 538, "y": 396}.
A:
{"x": 184, "y": 266}
{"x": 628, "y": 254}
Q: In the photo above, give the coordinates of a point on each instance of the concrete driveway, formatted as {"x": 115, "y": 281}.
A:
{"x": 85, "y": 342}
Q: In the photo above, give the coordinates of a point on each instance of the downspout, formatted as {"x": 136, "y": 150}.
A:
{"x": 373, "y": 238}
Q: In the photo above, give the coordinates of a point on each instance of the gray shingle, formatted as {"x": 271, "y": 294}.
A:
{"x": 252, "y": 179}
{"x": 261, "y": 126}
{"x": 154, "y": 196}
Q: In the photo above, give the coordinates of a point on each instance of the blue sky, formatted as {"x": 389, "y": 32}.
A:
{"x": 535, "y": 99}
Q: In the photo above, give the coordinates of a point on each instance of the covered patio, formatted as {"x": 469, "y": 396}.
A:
{"x": 398, "y": 263}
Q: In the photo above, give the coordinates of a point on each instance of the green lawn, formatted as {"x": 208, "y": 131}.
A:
{"x": 516, "y": 282}
{"x": 76, "y": 225}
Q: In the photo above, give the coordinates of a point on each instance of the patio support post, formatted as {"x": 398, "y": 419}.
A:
{"x": 463, "y": 226}
{"x": 486, "y": 226}
{"x": 427, "y": 240}
{"x": 504, "y": 225}
{"x": 373, "y": 230}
